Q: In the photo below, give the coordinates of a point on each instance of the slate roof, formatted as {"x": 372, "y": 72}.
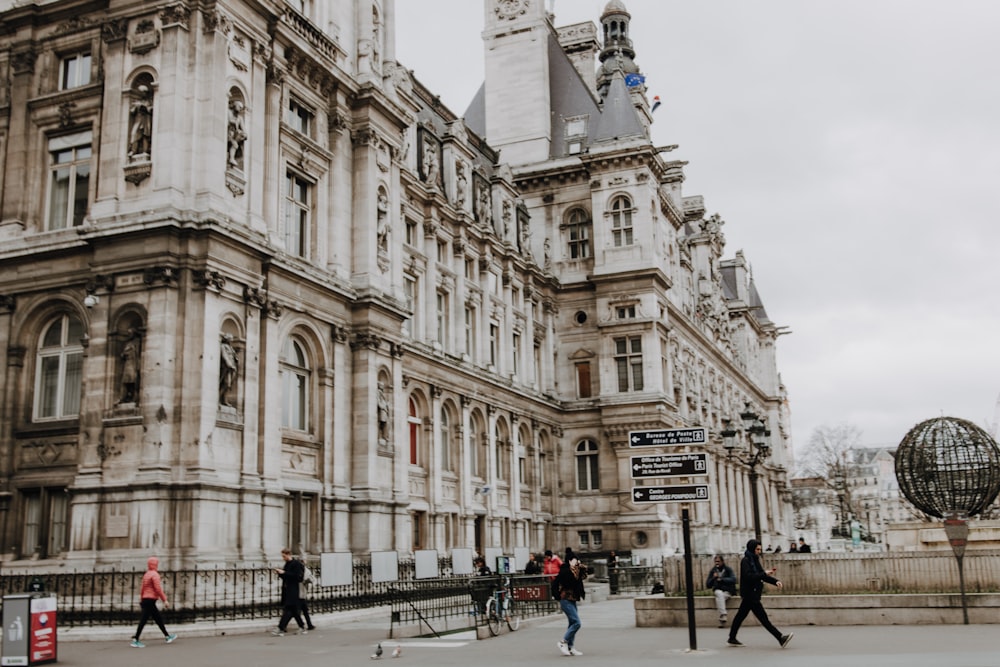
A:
{"x": 571, "y": 97}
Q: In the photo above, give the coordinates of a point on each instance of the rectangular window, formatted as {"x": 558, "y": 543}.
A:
{"x": 625, "y": 312}
{"x": 442, "y": 251}
{"x": 442, "y": 318}
{"x": 69, "y": 180}
{"x": 494, "y": 339}
{"x": 74, "y": 71}
{"x": 583, "y": 379}
{"x": 516, "y": 353}
{"x": 470, "y": 269}
{"x": 411, "y": 232}
{"x": 579, "y": 240}
{"x": 584, "y": 538}
{"x": 45, "y": 512}
{"x": 299, "y": 118}
{"x": 536, "y": 373}
{"x": 296, "y": 215}
{"x": 299, "y": 521}
{"x": 521, "y": 470}
{"x": 596, "y": 538}
{"x": 411, "y": 288}
{"x": 470, "y": 332}
{"x": 628, "y": 363}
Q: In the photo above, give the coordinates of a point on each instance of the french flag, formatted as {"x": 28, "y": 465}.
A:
{"x": 656, "y": 103}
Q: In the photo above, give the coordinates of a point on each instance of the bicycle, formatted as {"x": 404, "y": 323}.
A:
{"x": 502, "y": 605}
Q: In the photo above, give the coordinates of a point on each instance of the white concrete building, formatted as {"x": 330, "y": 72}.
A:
{"x": 259, "y": 287}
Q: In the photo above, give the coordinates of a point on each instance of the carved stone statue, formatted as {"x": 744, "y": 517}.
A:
{"x": 382, "y": 228}
{"x": 383, "y": 413}
{"x": 141, "y": 129}
{"x": 130, "y": 368}
{"x": 229, "y": 366}
{"x": 236, "y": 135}
{"x": 461, "y": 184}
{"x": 432, "y": 170}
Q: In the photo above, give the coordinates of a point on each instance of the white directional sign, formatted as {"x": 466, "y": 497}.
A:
{"x": 675, "y": 493}
{"x": 669, "y": 436}
{"x": 669, "y": 465}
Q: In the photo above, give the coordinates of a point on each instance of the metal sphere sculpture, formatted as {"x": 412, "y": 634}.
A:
{"x": 948, "y": 466}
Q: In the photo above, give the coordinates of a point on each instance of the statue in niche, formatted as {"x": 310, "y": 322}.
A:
{"x": 461, "y": 184}
{"x": 141, "y": 129}
{"x": 130, "y": 368}
{"x": 229, "y": 366}
{"x": 383, "y": 413}
{"x": 382, "y": 227}
{"x": 547, "y": 251}
{"x": 525, "y": 239}
{"x": 432, "y": 170}
{"x": 236, "y": 135}
{"x": 484, "y": 207}
{"x": 506, "y": 219}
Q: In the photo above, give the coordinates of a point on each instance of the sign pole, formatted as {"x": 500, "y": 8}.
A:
{"x": 689, "y": 579}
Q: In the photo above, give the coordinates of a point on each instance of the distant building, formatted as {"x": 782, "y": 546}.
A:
{"x": 259, "y": 287}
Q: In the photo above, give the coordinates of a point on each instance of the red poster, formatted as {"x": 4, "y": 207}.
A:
{"x": 43, "y": 630}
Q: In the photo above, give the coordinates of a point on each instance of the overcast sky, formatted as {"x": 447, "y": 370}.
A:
{"x": 853, "y": 149}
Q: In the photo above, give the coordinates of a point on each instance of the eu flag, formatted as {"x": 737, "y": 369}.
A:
{"x": 632, "y": 80}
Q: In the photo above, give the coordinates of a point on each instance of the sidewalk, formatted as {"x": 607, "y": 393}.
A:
{"x": 608, "y": 636}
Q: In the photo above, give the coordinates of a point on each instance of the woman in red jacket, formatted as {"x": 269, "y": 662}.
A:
{"x": 149, "y": 593}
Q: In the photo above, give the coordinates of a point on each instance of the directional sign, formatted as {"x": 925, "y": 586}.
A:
{"x": 669, "y": 465}
{"x": 669, "y": 436}
{"x": 675, "y": 493}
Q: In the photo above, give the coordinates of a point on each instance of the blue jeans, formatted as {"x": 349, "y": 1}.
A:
{"x": 569, "y": 608}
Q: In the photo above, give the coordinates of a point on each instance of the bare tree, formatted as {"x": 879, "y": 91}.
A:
{"x": 828, "y": 455}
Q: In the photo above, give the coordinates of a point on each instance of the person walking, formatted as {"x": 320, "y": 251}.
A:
{"x": 752, "y": 580}
{"x": 291, "y": 576}
{"x": 307, "y": 582}
{"x": 567, "y": 587}
{"x": 551, "y": 564}
{"x": 151, "y": 591}
{"x": 722, "y": 581}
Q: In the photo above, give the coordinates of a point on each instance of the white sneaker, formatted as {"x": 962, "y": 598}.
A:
{"x": 573, "y": 651}
{"x": 563, "y": 648}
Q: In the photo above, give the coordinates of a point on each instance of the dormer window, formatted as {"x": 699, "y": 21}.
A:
{"x": 576, "y": 134}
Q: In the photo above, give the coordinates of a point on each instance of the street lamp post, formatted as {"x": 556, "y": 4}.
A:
{"x": 751, "y": 454}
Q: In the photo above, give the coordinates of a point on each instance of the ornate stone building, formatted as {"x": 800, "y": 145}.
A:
{"x": 259, "y": 287}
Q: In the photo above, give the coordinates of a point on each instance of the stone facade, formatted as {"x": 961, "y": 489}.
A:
{"x": 259, "y": 287}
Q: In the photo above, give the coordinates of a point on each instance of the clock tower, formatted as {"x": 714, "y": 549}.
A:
{"x": 517, "y": 39}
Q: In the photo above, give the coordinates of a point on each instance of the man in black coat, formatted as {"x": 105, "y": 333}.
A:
{"x": 291, "y": 577}
{"x": 752, "y": 580}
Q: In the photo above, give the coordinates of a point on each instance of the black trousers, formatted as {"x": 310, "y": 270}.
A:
{"x": 149, "y": 611}
{"x": 748, "y": 605}
{"x": 304, "y": 609}
{"x": 290, "y": 612}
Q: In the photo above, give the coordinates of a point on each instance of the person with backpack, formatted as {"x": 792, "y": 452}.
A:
{"x": 567, "y": 587}
{"x": 291, "y": 576}
{"x": 307, "y": 582}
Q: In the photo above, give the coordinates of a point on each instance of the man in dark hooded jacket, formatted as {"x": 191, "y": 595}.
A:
{"x": 752, "y": 580}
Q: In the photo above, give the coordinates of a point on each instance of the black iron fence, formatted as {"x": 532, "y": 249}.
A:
{"x": 111, "y": 597}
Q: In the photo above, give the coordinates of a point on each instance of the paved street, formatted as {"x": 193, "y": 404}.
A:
{"x": 609, "y": 636}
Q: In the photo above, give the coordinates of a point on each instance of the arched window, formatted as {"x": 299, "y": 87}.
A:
{"x": 445, "y": 434}
{"x": 295, "y": 383}
{"x": 413, "y": 423}
{"x": 621, "y": 221}
{"x": 587, "y": 471}
{"x": 59, "y": 369}
{"x": 578, "y": 233}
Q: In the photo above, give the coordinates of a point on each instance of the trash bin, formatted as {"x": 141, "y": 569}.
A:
{"x": 29, "y": 629}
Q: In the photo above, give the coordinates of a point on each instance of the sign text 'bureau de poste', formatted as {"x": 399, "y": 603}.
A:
{"x": 668, "y": 436}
